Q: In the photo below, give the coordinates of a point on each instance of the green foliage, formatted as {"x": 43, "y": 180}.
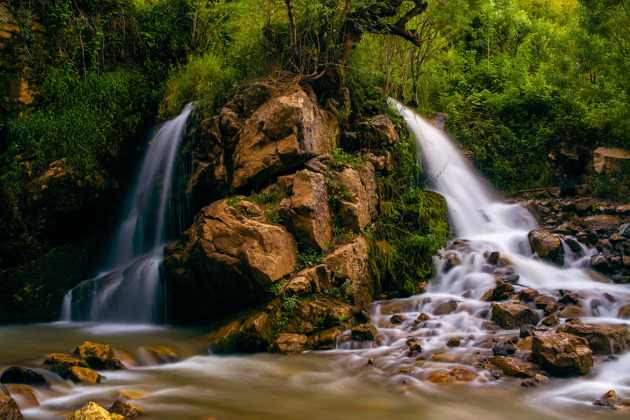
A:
{"x": 411, "y": 229}
{"x": 309, "y": 258}
{"x": 341, "y": 158}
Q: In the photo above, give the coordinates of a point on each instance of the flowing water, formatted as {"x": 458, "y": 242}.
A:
{"x": 341, "y": 384}
{"x": 128, "y": 290}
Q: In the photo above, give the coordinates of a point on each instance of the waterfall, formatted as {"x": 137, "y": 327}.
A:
{"x": 128, "y": 290}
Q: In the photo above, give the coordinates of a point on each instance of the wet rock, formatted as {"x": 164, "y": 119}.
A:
{"x": 624, "y": 230}
{"x": 569, "y": 298}
{"x": 586, "y": 237}
{"x": 451, "y": 261}
{"x": 162, "y": 354}
{"x": 22, "y": 375}
{"x": 546, "y": 245}
{"x": 600, "y": 223}
{"x": 371, "y": 361}
{"x": 356, "y": 191}
{"x": 415, "y": 347}
{"x": 9, "y": 409}
{"x": 224, "y": 261}
{"x": 601, "y": 339}
{"x": 525, "y": 331}
{"x": 281, "y": 134}
{"x": 453, "y": 342}
{"x": 445, "y": 307}
{"x": 98, "y": 356}
{"x": 527, "y": 295}
{"x": 547, "y": 304}
{"x": 609, "y": 399}
{"x": 83, "y": 375}
{"x": 513, "y": 315}
{"x": 127, "y": 410}
{"x": 493, "y": 257}
{"x": 61, "y": 363}
{"x": 572, "y": 312}
{"x": 541, "y": 379}
{"x": 462, "y": 375}
{"x": 503, "y": 348}
{"x": 600, "y": 262}
{"x": 598, "y": 277}
{"x": 512, "y": 366}
{"x": 550, "y": 321}
{"x": 424, "y": 317}
{"x": 363, "y": 332}
{"x": 398, "y": 319}
{"x": 502, "y": 292}
{"x": 309, "y": 212}
{"x": 24, "y": 395}
{"x": 289, "y": 344}
{"x": 624, "y": 311}
{"x": 93, "y": 411}
{"x": 562, "y": 354}
{"x": 325, "y": 340}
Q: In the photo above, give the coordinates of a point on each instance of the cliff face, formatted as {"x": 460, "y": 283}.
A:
{"x": 288, "y": 263}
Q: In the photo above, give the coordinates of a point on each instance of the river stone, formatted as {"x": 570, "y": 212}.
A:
{"x": 451, "y": 260}
{"x": 624, "y": 230}
{"x": 325, "y": 340}
{"x": 513, "y": 315}
{"x": 9, "y": 409}
{"x": 398, "y": 319}
{"x": 162, "y": 354}
{"x": 527, "y": 295}
{"x": 601, "y": 339}
{"x": 600, "y": 223}
{"x": 363, "y": 332}
{"x": 512, "y": 366}
{"x": 281, "y": 134}
{"x": 98, "y": 356}
{"x": 550, "y": 321}
{"x": 22, "y": 375}
{"x": 93, "y": 411}
{"x": 24, "y": 394}
{"x": 502, "y": 292}
{"x": 546, "y": 245}
{"x": 624, "y": 311}
{"x": 562, "y": 354}
{"x": 446, "y": 307}
{"x": 83, "y": 375}
{"x": 61, "y": 363}
{"x": 127, "y": 410}
{"x": 547, "y": 304}
{"x": 288, "y": 344}
{"x": 572, "y": 312}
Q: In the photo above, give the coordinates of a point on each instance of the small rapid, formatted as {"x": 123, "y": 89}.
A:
{"x": 128, "y": 290}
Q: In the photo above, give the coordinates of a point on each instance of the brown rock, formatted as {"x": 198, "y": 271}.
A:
{"x": 83, "y": 375}
{"x": 624, "y": 311}
{"x": 547, "y": 304}
{"x": 527, "y": 295}
{"x": 513, "y": 315}
{"x": 22, "y": 375}
{"x": 601, "y": 339}
{"x": 61, "y": 363}
{"x": 462, "y": 375}
{"x": 451, "y": 260}
{"x": 502, "y": 292}
{"x": 224, "y": 260}
{"x": 349, "y": 265}
{"x": 398, "y": 319}
{"x": 93, "y": 411}
{"x": 377, "y": 133}
{"x": 512, "y": 366}
{"x": 127, "y": 410}
{"x": 288, "y": 344}
{"x": 325, "y": 340}
{"x": 98, "y": 356}
{"x": 162, "y": 354}
{"x": 280, "y": 135}
{"x": 364, "y": 332}
{"x": 355, "y": 191}
{"x": 562, "y": 354}
{"x": 572, "y": 312}
{"x": 453, "y": 342}
{"x": 9, "y": 409}
{"x": 550, "y": 321}
{"x": 445, "y": 307}
{"x": 607, "y": 160}
{"x": 298, "y": 286}
{"x": 546, "y": 245}
{"x": 600, "y": 223}
{"x": 311, "y": 219}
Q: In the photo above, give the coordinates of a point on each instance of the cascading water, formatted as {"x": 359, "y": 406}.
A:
{"x": 451, "y": 321}
{"x": 128, "y": 290}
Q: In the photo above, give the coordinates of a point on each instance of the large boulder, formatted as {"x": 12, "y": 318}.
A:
{"x": 513, "y": 315}
{"x": 601, "y": 339}
{"x": 22, "y": 375}
{"x": 606, "y": 160}
{"x": 62, "y": 363}
{"x": 512, "y": 366}
{"x": 309, "y": 213}
{"x": 546, "y": 245}
{"x": 562, "y": 354}
{"x": 355, "y": 193}
{"x": 289, "y": 344}
{"x": 225, "y": 260}
{"x": 281, "y": 134}
{"x": 377, "y": 133}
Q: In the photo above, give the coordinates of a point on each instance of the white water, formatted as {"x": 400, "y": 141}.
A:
{"x": 482, "y": 224}
{"x": 127, "y": 290}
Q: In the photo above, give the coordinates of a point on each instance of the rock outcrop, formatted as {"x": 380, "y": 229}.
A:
{"x": 562, "y": 354}
{"x": 546, "y": 245}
